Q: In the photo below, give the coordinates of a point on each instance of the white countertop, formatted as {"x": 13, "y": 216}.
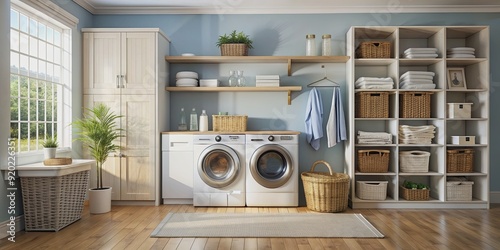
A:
{"x": 40, "y": 170}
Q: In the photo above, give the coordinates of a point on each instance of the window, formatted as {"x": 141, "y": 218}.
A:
{"x": 40, "y": 79}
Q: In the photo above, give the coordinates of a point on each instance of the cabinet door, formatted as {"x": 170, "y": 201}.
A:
{"x": 138, "y": 147}
{"x": 177, "y": 175}
{"x": 102, "y": 63}
{"x": 138, "y": 63}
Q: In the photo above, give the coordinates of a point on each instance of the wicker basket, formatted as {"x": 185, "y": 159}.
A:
{"x": 51, "y": 203}
{"x": 414, "y": 194}
{"x": 460, "y": 160}
{"x": 373, "y": 161}
{"x": 374, "y": 49}
{"x": 459, "y": 190}
{"x": 372, "y": 105}
{"x": 414, "y": 161}
{"x": 415, "y": 105}
{"x": 229, "y": 123}
{"x": 325, "y": 192}
{"x": 57, "y": 161}
{"x": 371, "y": 190}
{"x": 234, "y": 49}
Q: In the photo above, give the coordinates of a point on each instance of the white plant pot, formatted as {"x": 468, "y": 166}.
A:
{"x": 49, "y": 153}
{"x": 100, "y": 200}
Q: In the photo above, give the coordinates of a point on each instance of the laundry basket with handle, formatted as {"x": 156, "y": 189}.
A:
{"x": 325, "y": 192}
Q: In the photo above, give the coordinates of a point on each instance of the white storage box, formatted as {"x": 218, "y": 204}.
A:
{"x": 209, "y": 83}
{"x": 371, "y": 190}
{"x": 459, "y": 110}
{"x": 463, "y": 140}
{"x": 459, "y": 190}
{"x": 414, "y": 161}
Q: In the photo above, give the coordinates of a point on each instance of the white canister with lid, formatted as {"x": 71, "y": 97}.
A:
{"x": 326, "y": 45}
{"x": 311, "y": 45}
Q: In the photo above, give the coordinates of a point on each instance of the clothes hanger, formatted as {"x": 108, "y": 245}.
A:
{"x": 331, "y": 84}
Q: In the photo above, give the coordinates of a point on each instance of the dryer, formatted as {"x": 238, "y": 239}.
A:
{"x": 219, "y": 170}
{"x": 272, "y": 177}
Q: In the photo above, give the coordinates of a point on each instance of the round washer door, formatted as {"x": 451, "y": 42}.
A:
{"x": 218, "y": 166}
{"x": 271, "y": 166}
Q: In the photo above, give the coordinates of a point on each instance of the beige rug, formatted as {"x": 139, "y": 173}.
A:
{"x": 265, "y": 225}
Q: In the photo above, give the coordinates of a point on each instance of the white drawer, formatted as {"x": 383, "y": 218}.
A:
{"x": 176, "y": 142}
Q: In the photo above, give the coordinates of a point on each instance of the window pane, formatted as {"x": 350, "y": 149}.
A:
{"x": 14, "y": 19}
{"x": 42, "y": 69}
{"x": 24, "y": 87}
{"x": 48, "y": 111}
{"x": 14, "y": 86}
{"x": 33, "y": 67}
{"x": 33, "y": 46}
{"x": 32, "y": 110}
{"x": 57, "y": 38}
{"x": 49, "y": 130}
{"x": 14, "y": 40}
{"x": 24, "y": 130}
{"x": 50, "y": 71}
{"x": 57, "y": 74}
{"x": 33, "y": 27}
{"x": 57, "y": 55}
{"x": 24, "y": 65}
{"x": 41, "y": 111}
{"x": 14, "y": 105}
{"x": 41, "y": 90}
{"x": 42, "y": 53}
{"x": 50, "y": 52}
{"x": 42, "y": 32}
{"x": 24, "y": 110}
{"x": 50, "y": 35}
{"x": 23, "y": 45}
{"x": 14, "y": 62}
{"x": 23, "y": 19}
{"x": 14, "y": 130}
{"x": 33, "y": 133}
{"x": 33, "y": 89}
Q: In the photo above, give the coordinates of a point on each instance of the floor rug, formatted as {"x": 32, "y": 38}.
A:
{"x": 265, "y": 225}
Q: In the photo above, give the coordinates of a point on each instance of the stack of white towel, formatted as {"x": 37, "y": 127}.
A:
{"x": 461, "y": 52}
{"x": 417, "y": 80}
{"x": 421, "y": 53}
{"x": 416, "y": 134}
{"x": 267, "y": 80}
{"x": 374, "y": 137}
{"x": 374, "y": 83}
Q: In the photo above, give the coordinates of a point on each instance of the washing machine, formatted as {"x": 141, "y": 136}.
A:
{"x": 272, "y": 178}
{"x": 219, "y": 170}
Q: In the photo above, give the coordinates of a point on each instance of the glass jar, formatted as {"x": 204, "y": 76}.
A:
{"x": 310, "y": 45}
{"x": 241, "y": 79}
{"x": 233, "y": 79}
{"x": 326, "y": 45}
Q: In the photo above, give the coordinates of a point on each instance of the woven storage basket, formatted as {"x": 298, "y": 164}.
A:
{"x": 374, "y": 49}
{"x": 414, "y": 194}
{"x": 51, "y": 203}
{"x": 460, "y": 160}
{"x": 229, "y": 123}
{"x": 234, "y": 49}
{"x": 414, "y": 161}
{"x": 371, "y": 190}
{"x": 57, "y": 161}
{"x": 459, "y": 190}
{"x": 415, "y": 105}
{"x": 372, "y": 105}
{"x": 325, "y": 192}
{"x": 373, "y": 161}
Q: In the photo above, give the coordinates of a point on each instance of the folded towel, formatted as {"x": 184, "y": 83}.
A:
{"x": 413, "y": 82}
{"x": 421, "y": 50}
{"x": 375, "y": 79}
{"x": 461, "y": 56}
{"x": 376, "y": 86}
{"x": 419, "y": 86}
{"x": 416, "y": 78}
{"x": 430, "y": 55}
{"x": 416, "y": 73}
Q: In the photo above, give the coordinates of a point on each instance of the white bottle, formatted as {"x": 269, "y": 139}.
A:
{"x": 193, "y": 121}
{"x": 203, "y": 121}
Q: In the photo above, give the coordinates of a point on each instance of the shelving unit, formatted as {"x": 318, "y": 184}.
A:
{"x": 477, "y": 92}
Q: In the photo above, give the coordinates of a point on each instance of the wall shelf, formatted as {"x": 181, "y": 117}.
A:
{"x": 289, "y": 60}
{"x": 287, "y": 89}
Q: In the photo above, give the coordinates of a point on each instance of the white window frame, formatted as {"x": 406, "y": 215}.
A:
{"x": 43, "y": 11}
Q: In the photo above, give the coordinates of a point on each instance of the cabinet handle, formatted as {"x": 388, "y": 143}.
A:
{"x": 117, "y": 81}
{"x": 121, "y": 81}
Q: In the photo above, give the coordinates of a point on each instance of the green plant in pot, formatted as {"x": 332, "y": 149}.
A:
{"x": 50, "y": 146}
{"x": 98, "y": 132}
{"x": 234, "y": 44}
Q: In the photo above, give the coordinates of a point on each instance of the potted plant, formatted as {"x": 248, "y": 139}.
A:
{"x": 234, "y": 44}
{"x": 98, "y": 131}
{"x": 50, "y": 146}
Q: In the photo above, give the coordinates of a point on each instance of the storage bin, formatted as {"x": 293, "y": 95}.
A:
{"x": 460, "y": 160}
{"x": 372, "y": 105}
{"x": 371, "y": 190}
{"x": 229, "y": 123}
{"x": 373, "y": 161}
{"x": 414, "y": 161}
{"x": 463, "y": 140}
{"x": 415, "y": 105}
{"x": 374, "y": 49}
{"x": 459, "y": 190}
{"x": 325, "y": 192}
{"x": 414, "y": 194}
{"x": 459, "y": 110}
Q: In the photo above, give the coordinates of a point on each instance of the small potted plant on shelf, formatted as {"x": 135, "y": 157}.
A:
{"x": 98, "y": 131}
{"x": 50, "y": 146}
{"x": 234, "y": 44}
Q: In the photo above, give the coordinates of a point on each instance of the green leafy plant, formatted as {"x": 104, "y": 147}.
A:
{"x": 414, "y": 185}
{"x": 50, "y": 143}
{"x": 98, "y": 131}
{"x": 235, "y": 37}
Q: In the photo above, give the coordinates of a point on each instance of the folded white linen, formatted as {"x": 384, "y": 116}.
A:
{"x": 461, "y": 49}
{"x": 413, "y": 82}
{"x": 385, "y": 86}
{"x": 416, "y": 78}
{"x": 421, "y": 50}
{"x": 460, "y": 52}
{"x": 374, "y": 79}
{"x": 419, "y": 86}
{"x": 416, "y": 73}
{"x": 430, "y": 55}
{"x": 365, "y": 134}
{"x": 461, "y": 56}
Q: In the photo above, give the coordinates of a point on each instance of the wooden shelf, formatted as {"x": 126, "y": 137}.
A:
{"x": 289, "y": 60}
{"x": 287, "y": 89}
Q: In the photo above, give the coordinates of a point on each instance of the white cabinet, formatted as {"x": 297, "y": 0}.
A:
{"x": 125, "y": 69}
{"x": 477, "y": 92}
{"x": 177, "y": 168}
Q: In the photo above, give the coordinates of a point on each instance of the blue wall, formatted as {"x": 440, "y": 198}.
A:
{"x": 285, "y": 35}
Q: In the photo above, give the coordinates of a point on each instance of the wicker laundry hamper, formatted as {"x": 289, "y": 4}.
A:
{"x": 325, "y": 192}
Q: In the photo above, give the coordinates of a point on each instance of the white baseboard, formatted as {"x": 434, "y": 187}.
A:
{"x": 495, "y": 197}
{"x": 5, "y": 227}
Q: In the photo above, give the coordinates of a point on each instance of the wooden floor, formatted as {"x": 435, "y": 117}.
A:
{"x": 129, "y": 227}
